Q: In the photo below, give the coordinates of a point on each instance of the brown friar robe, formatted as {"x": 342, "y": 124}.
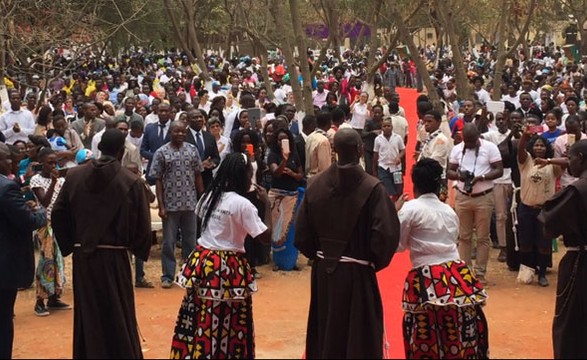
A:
{"x": 101, "y": 212}
{"x": 566, "y": 214}
{"x": 346, "y": 212}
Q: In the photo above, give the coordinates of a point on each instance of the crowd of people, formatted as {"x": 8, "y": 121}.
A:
{"x": 84, "y": 155}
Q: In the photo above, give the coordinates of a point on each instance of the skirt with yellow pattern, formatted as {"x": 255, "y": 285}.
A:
{"x": 215, "y": 320}
{"x": 443, "y": 316}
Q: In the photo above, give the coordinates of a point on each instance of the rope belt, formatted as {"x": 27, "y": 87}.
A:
{"x": 573, "y": 248}
{"x": 111, "y": 247}
{"x": 347, "y": 259}
{"x": 514, "y": 212}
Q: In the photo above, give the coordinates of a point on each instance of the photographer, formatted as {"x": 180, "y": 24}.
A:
{"x": 474, "y": 163}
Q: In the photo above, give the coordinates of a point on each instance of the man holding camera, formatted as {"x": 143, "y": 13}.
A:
{"x": 474, "y": 163}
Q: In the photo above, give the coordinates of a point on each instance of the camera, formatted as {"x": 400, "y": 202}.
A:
{"x": 468, "y": 180}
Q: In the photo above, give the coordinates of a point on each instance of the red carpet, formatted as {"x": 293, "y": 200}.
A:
{"x": 391, "y": 280}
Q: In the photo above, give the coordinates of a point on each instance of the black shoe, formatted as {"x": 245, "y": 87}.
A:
{"x": 543, "y": 281}
{"x": 502, "y": 257}
{"x": 143, "y": 283}
{"x": 40, "y": 309}
{"x": 57, "y": 305}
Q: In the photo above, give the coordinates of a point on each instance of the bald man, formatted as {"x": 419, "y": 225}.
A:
{"x": 17, "y": 267}
{"x": 177, "y": 170}
{"x": 102, "y": 214}
{"x": 348, "y": 246}
{"x": 474, "y": 163}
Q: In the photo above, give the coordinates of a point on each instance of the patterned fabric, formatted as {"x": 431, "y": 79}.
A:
{"x": 446, "y": 332}
{"x": 450, "y": 283}
{"x": 215, "y": 319}
{"x": 443, "y": 313}
{"x": 50, "y": 275}
{"x": 217, "y": 275}
{"x": 283, "y": 205}
{"x": 177, "y": 169}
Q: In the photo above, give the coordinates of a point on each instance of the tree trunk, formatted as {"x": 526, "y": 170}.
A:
{"x": 500, "y": 56}
{"x": 501, "y": 53}
{"x": 2, "y": 54}
{"x": 372, "y": 47}
{"x": 193, "y": 38}
{"x": 303, "y": 49}
{"x": 464, "y": 89}
{"x": 286, "y": 48}
{"x": 408, "y": 40}
{"x": 179, "y": 34}
{"x": 263, "y": 57}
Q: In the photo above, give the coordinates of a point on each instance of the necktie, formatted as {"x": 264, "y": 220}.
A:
{"x": 161, "y": 137}
{"x": 200, "y": 144}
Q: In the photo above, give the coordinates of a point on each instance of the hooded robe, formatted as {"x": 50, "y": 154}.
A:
{"x": 100, "y": 215}
{"x": 346, "y": 212}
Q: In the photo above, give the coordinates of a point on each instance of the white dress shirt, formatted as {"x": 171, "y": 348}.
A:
{"x": 25, "y": 120}
{"x": 429, "y": 228}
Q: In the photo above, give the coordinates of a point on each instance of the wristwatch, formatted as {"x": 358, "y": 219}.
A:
{"x": 548, "y": 160}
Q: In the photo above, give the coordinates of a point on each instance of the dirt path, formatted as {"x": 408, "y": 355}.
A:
{"x": 519, "y": 317}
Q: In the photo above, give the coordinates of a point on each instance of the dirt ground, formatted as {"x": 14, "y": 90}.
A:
{"x": 519, "y": 316}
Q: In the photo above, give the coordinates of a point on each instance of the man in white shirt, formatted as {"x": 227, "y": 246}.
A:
{"x": 475, "y": 163}
{"x": 502, "y": 186}
{"x": 388, "y": 151}
{"x": 319, "y": 96}
{"x": 16, "y": 123}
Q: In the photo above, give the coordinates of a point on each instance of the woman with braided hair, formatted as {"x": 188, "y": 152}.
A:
{"x": 442, "y": 299}
{"x": 217, "y": 276}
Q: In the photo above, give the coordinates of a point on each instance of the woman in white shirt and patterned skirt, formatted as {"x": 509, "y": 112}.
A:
{"x": 442, "y": 299}
{"x": 215, "y": 319}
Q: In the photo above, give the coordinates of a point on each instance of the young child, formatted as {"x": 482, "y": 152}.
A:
{"x": 553, "y": 131}
{"x": 388, "y": 151}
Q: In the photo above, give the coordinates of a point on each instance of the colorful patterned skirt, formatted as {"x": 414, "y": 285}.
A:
{"x": 50, "y": 274}
{"x": 215, "y": 320}
{"x": 443, "y": 318}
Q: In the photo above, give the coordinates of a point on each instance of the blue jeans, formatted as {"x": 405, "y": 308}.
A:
{"x": 186, "y": 221}
{"x": 386, "y": 178}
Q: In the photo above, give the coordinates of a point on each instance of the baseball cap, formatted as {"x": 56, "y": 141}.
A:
{"x": 83, "y": 155}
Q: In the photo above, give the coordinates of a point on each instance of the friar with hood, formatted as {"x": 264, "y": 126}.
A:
{"x": 349, "y": 226}
{"x": 100, "y": 216}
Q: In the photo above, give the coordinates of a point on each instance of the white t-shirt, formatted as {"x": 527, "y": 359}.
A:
{"x": 360, "y": 115}
{"x": 389, "y": 150}
{"x": 233, "y": 219}
{"x": 479, "y": 164}
{"x": 496, "y": 137}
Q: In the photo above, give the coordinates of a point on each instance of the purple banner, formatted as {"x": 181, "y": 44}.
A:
{"x": 352, "y": 31}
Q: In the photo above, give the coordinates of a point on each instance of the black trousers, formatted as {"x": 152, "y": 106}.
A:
{"x": 7, "y": 300}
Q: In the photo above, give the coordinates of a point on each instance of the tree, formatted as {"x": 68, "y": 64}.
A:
{"x": 302, "y": 49}
{"x": 578, "y": 8}
{"x": 182, "y": 14}
{"x": 511, "y": 7}
{"x": 287, "y": 49}
{"x": 33, "y": 34}
{"x": 448, "y": 11}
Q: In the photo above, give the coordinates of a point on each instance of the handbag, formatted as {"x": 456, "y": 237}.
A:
{"x": 525, "y": 274}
